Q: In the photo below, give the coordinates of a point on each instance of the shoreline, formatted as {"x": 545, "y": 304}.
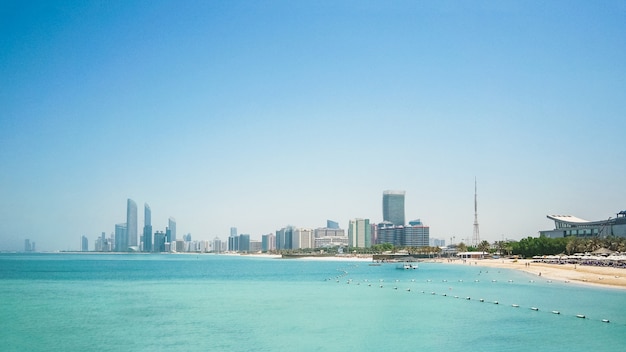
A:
{"x": 596, "y": 276}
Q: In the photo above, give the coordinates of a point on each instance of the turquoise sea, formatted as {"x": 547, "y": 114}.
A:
{"x": 120, "y": 302}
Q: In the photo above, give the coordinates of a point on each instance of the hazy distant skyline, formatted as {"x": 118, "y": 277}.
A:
{"x": 262, "y": 115}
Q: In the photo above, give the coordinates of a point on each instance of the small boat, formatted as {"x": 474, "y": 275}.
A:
{"x": 407, "y": 266}
{"x": 605, "y": 320}
{"x": 556, "y": 312}
{"x": 515, "y": 305}
{"x": 582, "y": 316}
{"x": 534, "y": 308}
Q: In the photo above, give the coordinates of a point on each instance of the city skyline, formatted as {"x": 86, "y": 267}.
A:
{"x": 262, "y": 115}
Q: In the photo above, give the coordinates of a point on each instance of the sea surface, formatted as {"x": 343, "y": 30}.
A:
{"x": 165, "y": 302}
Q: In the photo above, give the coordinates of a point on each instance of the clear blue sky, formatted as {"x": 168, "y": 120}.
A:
{"x": 264, "y": 114}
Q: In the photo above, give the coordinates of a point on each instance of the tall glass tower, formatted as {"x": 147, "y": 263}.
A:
{"x": 131, "y": 222}
{"x": 172, "y": 227}
{"x": 147, "y": 228}
{"x": 393, "y": 207}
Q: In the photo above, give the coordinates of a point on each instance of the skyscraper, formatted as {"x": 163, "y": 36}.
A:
{"x": 84, "y": 244}
{"x": 147, "y": 228}
{"x": 131, "y": 222}
{"x": 359, "y": 233}
{"x": 393, "y": 207}
{"x": 172, "y": 226}
{"x": 121, "y": 239}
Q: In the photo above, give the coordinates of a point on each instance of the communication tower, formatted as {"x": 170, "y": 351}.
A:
{"x": 476, "y": 236}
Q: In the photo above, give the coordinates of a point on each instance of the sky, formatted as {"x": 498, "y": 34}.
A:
{"x": 259, "y": 115}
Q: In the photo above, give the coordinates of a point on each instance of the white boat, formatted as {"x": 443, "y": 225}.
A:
{"x": 407, "y": 266}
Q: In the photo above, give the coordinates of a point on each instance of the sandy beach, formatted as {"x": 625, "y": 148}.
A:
{"x": 568, "y": 273}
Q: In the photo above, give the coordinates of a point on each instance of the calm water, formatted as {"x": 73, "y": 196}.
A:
{"x": 80, "y": 302}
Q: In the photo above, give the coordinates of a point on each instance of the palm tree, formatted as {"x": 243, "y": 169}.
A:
{"x": 462, "y": 247}
{"x": 483, "y": 246}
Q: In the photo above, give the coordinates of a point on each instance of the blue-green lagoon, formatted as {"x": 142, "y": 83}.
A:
{"x": 145, "y": 302}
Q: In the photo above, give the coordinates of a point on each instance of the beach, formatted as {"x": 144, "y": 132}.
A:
{"x": 568, "y": 273}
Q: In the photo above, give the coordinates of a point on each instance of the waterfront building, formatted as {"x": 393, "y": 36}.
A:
{"x": 255, "y": 246}
{"x": 393, "y": 207}
{"x": 131, "y": 223}
{"x": 217, "y": 245}
{"x": 416, "y": 234}
{"x": 178, "y": 246}
{"x": 159, "y": 242}
{"x": 244, "y": 243}
{"x": 84, "y": 244}
{"x": 172, "y": 226}
{"x": 147, "y": 228}
{"x": 121, "y": 239}
{"x": 329, "y": 232}
{"x": 233, "y": 243}
{"x": 568, "y": 225}
{"x": 29, "y": 246}
{"x": 359, "y": 233}
{"x": 284, "y": 238}
{"x": 330, "y": 241}
{"x": 302, "y": 238}
{"x": 268, "y": 242}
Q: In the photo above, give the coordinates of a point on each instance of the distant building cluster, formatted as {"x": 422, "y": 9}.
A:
{"x": 361, "y": 233}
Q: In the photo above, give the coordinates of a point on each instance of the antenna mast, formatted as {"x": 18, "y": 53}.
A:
{"x": 476, "y": 236}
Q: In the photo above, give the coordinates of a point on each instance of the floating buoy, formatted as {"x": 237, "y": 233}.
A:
{"x": 482, "y": 300}
{"x": 456, "y": 296}
{"x": 432, "y": 293}
{"x": 444, "y": 294}
{"x": 495, "y": 302}
{"x": 467, "y": 298}
{"x": 408, "y": 289}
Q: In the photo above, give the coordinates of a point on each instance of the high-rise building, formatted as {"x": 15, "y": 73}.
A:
{"x": 147, "y": 228}
{"x": 172, "y": 226}
{"x": 393, "y": 207}
{"x": 131, "y": 222}
{"x": 159, "y": 242}
{"x": 244, "y": 243}
{"x": 121, "y": 238}
{"x": 302, "y": 238}
{"x": 217, "y": 245}
{"x": 84, "y": 244}
{"x": 268, "y": 242}
{"x": 284, "y": 238}
{"x": 332, "y": 224}
{"x": 416, "y": 234}
{"x": 359, "y": 233}
{"x": 29, "y": 246}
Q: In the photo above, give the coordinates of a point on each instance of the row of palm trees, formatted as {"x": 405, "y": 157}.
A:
{"x": 526, "y": 247}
